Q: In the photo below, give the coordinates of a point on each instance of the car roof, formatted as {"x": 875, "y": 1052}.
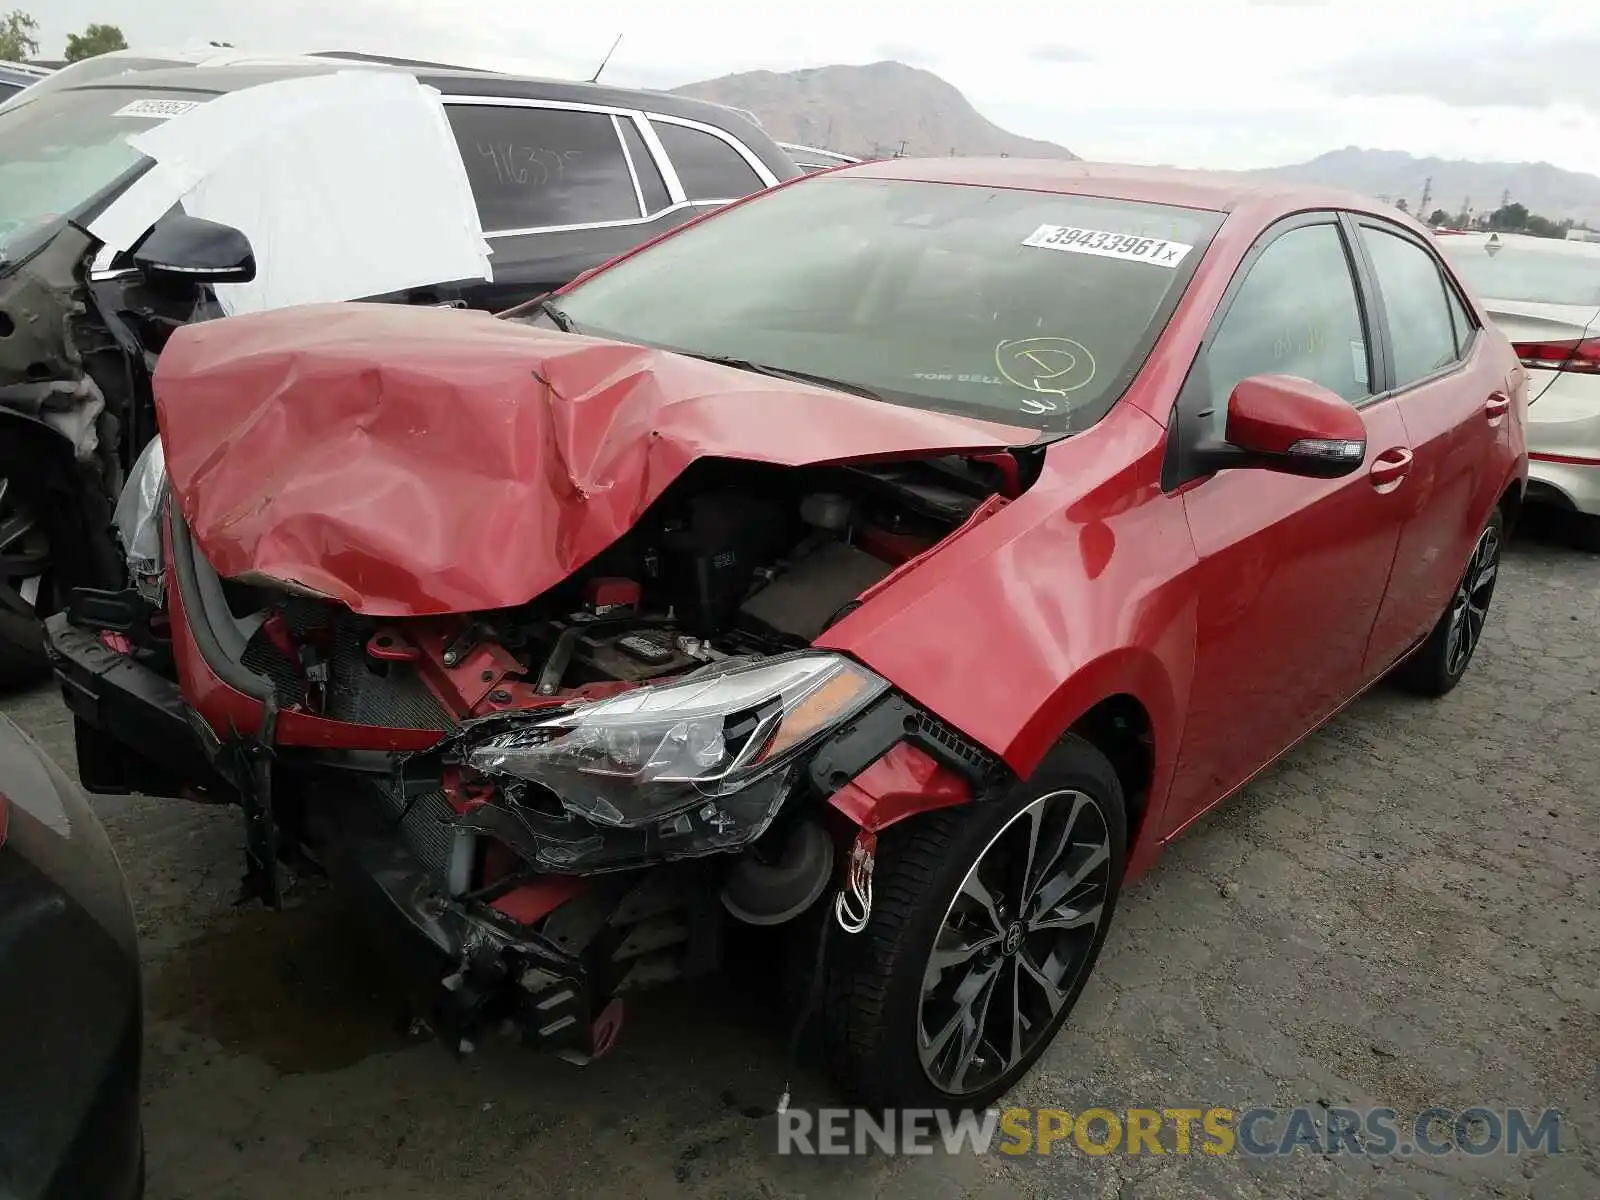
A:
{"x": 222, "y": 72}
{"x": 1211, "y": 191}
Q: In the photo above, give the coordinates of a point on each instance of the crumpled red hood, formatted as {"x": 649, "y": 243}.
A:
{"x": 415, "y": 461}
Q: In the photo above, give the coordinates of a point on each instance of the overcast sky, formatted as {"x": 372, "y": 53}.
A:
{"x": 1224, "y": 83}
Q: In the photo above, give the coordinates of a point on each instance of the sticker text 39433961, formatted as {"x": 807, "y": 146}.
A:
{"x": 1105, "y": 244}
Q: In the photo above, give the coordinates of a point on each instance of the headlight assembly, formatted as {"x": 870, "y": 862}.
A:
{"x": 138, "y": 520}
{"x": 656, "y": 751}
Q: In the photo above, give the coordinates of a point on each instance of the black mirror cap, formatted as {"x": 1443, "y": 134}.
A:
{"x": 185, "y": 249}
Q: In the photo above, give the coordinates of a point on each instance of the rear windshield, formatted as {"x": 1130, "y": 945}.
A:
{"x": 1024, "y": 307}
{"x": 1546, "y": 275}
{"x": 65, "y": 150}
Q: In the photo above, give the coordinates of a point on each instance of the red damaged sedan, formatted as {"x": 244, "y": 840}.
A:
{"x": 908, "y": 552}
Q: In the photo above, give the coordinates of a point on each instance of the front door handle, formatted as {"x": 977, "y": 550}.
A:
{"x": 1497, "y": 405}
{"x": 1390, "y": 467}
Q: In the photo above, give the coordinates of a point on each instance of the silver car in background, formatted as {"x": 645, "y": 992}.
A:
{"x": 15, "y": 76}
{"x": 1544, "y": 293}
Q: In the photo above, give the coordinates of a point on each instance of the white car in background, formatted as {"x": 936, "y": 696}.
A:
{"x": 15, "y": 76}
{"x": 810, "y": 159}
{"x": 1544, "y": 293}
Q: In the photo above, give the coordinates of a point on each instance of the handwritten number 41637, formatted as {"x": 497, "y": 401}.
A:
{"x": 534, "y": 166}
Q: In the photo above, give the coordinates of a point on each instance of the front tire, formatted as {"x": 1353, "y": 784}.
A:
{"x": 54, "y": 536}
{"x": 25, "y": 573}
{"x": 1436, "y": 666}
{"x": 986, "y": 922}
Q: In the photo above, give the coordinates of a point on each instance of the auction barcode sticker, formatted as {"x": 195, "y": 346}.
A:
{"x": 1105, "y": 244}
{"x": 157, "y": 110}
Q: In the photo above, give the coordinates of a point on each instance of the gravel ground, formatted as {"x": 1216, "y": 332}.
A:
{"x": 1406, "y": 911}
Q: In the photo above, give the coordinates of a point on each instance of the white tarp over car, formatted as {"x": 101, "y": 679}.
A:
{"x": 347, "y": 185}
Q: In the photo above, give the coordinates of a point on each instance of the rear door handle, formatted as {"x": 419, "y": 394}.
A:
{"x": 1390, "y": 467}
{"x": 1497, "y": 405}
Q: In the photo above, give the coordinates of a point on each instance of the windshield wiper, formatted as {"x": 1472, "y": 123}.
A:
{"x": 558, "y": 316}
{"x": 755, "y": 368}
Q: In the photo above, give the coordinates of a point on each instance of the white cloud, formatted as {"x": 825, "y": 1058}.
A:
{"x": 1232, "y": 83}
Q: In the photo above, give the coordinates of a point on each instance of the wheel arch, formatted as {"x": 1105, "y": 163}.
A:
{"x": 1127, "y": 705}
{"x": 14, "y": 423}
{"x": 1511, "y": 501}
{"x": 79, "y": 511}
{"x": 1120, "y": 727}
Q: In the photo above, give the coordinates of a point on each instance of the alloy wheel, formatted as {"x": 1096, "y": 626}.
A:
{"x": 1014, "y": 941}
{"x": 24, "y": 553}
{"x": 1469, "y": 609}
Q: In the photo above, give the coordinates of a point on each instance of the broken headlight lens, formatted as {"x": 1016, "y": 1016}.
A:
{"x": 138, "y": 520}
{"x": 656, "y": 750}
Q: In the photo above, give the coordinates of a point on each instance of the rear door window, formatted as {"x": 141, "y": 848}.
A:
{"x": 652, "y": 188}
{"x": 1460, "y": 318}
{"x": 1415, "y": 301}
{"x": 533, "y": 168}
{"x": 709, "y": 168}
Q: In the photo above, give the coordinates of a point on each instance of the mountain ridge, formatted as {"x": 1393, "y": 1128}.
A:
{"x": 1453, "y": 183}
{"x": 870, "y": 111}
{"x": 886, "y": 108}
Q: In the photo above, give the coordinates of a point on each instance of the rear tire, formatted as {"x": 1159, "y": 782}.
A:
{"x": 1585, "y": 532}
{"x": 977, "y": 949}
{"x": 1435, "y": 667}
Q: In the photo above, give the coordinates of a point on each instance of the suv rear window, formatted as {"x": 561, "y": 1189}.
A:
{"x": 1022, "y": 307}
{"x": 1557, "y": 274}
{"x": 536, "y": 167}
{"x": 709, "y": 168}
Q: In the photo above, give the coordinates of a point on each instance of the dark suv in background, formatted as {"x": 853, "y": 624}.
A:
{"x": 564, "y": 176}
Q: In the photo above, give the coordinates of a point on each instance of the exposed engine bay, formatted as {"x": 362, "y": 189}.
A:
{"x": 723, "y": 584}
{"x": 735, "y": 561}
{"x": 558, "y": 881}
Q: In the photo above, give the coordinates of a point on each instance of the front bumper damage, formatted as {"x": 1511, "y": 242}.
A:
{"x": 558, "y": 987}
{"x": 548, "y": 959}
{"x": 576, "y": 917}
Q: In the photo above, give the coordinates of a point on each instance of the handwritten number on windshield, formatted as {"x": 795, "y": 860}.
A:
{"x": 528, "y": 166}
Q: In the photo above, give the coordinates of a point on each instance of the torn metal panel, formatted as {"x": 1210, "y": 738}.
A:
{"x": 41, "y": 369}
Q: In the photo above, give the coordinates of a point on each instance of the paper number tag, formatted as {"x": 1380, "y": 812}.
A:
{"x": 157, "y": 110}
{"x": 1105, "y": 244}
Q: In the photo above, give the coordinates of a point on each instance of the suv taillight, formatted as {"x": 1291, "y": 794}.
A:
{"x": 1578, "y": 355}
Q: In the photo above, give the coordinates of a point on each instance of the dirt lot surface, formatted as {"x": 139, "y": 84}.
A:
{"x": 1404, "y": 912}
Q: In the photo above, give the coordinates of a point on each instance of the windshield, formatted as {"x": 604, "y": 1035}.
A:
{"x": 63, "y": 151}
{"x": 1560, "y": 273}
{"x": 1025, "y": 307}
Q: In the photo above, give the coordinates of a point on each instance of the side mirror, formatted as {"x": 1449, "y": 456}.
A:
{"x": 1288, "y": 424}
{"x": 185, "y": 249}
